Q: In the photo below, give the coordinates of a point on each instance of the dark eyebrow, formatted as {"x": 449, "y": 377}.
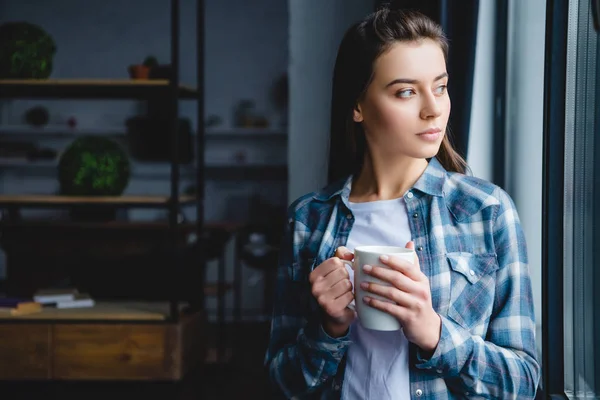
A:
{"x": 414, "y": 81}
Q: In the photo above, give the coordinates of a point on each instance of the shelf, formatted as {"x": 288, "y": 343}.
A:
{"x": 90, "y": 88}
{"x": 103, "y": 310}
{"x": 62, "y": 131}
{"x": 227, "y": 172}
{"x": 59, "y": 131}
{"x": 245, "y": 133}
{"x": 51, "y": 201}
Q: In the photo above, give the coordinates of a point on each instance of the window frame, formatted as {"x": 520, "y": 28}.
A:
{"x": 553, "y": 372}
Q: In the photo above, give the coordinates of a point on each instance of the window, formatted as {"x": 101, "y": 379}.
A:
{"x": 571, "y": 334}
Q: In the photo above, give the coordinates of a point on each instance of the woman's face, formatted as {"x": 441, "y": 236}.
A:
{"x": 406, "y": 107}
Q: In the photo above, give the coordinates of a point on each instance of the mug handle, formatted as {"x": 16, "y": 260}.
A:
{"x": 351, "y": 306}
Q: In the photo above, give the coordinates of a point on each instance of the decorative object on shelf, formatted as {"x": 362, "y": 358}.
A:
{"x": 213, "y": 121}
{"x": 93, "y": 166}
{"x": 157, "y": 70}
{"x": 72, "y": 122}
{"x": 245, "y": 116}
{"x": 37, "y": 116}
{"x": 138, "y": 71}
{"x": 150, "y": 69}
{"x": 142, "y": 71}
{"x": 150, "y": 62}
{"x": 26, "y": 51}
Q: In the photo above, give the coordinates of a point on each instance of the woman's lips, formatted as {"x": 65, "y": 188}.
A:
{"x": 430, "y": 135}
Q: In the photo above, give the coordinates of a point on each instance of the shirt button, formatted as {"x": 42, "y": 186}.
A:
{"x": 419, "y": 393}
{"x": 336, "y": 387}
{"x": 416, "y": 215}
{"x": 349, "y": 216}
{"x": 472, "y": 272}
{"x": 439, "y": 371}
{"x": 420, "y": 248}
{"x": 409, "y": 195}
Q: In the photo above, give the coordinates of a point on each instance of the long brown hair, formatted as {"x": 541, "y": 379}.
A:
{"x": 362, "y": 44}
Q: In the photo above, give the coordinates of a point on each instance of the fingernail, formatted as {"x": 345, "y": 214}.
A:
{"x": 367, "y": 268}
{"x": 384, "y": 258}
{"x": 364, "y": 285}
{"x": 347, "y": 253}
{"x": 366, "y": 299}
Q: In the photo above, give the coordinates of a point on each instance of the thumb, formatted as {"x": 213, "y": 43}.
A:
{"x": 411, "y": 245}
{"x": 343, "y": 253}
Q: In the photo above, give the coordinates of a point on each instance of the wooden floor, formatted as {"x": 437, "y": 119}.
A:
{"x": 243, "y": 378}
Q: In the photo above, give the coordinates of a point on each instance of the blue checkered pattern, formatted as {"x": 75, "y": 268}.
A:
{"x": 471, "y": 246}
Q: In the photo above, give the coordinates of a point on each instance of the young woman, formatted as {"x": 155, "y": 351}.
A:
{"x": 465, "y": 305}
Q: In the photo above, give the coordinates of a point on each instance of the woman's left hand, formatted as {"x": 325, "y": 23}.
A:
{"x": 411, "y": 297}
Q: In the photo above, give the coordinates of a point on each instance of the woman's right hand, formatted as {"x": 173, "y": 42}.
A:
{"x": 332, "y": 288}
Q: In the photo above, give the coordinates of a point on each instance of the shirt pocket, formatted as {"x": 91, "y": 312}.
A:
{"x": 472, "y": 288}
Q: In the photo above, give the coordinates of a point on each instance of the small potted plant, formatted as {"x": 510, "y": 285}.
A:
{"x": 93, "y": 166}
{"x": 142, "y": 71}
{"x": 26, "y": 51}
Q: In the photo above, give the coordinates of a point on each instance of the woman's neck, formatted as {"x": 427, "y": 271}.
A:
{"x": 382, "y": 179}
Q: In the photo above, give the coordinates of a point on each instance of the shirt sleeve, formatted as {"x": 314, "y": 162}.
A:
{"x": 503, "y": 364}
{"x": 301, "y": 356}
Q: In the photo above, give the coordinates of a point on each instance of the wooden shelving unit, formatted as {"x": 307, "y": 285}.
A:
{"x": 92, "y": 88}
{"x": 225, "y": 172}
{"x": 53, "y": 201}
{"x": 115, "y": 340}
{"x": 102, "y": 311}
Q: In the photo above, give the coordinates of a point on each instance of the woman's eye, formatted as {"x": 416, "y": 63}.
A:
{"x": 441, "y": 89}
{"x": 405, "y": 93}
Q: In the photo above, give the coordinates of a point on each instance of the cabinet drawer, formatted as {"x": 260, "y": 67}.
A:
{"x": 25, "y": 351}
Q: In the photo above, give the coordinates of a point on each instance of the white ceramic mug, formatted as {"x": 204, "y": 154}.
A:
{"x": 369, "y": 317}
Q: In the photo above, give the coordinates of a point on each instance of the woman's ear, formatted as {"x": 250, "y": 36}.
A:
{"x": 357, "y": 114}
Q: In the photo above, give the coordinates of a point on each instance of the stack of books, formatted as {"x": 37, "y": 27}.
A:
{"x": 63, "y": 298}
{"x": 17, "y": 306}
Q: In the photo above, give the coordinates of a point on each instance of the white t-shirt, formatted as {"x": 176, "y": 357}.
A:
{"x": 377, "y": 361}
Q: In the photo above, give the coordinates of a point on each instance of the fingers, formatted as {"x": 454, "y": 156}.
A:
{"x": 335, "y": 308}
{"x": 325, "y": 268}
{"x": 397, "y": 280}
{"x": 342, "y": 287}
{"x": 411, "y": 270}
{"x": 399, "y": 297}
{"x": 411, "y": 245}
{"x": 344, "y": 300}
{"x": 325, "y": 283}
{"x": 399, "y": 312}
{"x": 344, "y": 254}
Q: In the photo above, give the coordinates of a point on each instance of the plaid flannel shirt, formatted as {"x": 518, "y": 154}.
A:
{"x": 470, "y": 245}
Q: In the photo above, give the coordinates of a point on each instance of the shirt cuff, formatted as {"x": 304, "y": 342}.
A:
{"x": 452, "y": 351}
{"x": 318, "y": 339}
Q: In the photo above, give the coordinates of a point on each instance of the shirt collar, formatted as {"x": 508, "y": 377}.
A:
{"x": 431, "y": 182}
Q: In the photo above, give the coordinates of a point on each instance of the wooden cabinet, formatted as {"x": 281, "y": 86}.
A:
{"x": 25, "y": 351}
{"x": 78, "y": 350}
